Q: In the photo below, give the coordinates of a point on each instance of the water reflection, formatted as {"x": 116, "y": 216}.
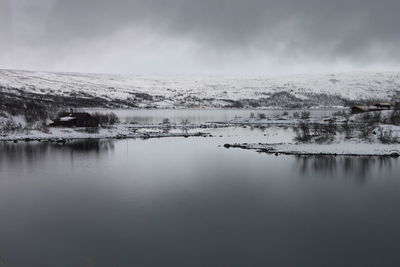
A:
{"x": 187, "y": 202}
{"x": 359, "y": 169}
{"x": 30, "y": 153}
{"x": 89, "y": 146}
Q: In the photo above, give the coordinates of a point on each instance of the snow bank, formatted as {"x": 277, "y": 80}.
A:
{"x": 345, "y": 149}
{"x": 117, "y": 132}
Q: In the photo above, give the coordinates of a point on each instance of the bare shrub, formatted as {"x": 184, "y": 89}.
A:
{"x": 324, "y": 132}
{"x": 395, "y": 117}
{"x": 106, "y": 119}
{"x": 296, "y": 115}
{"x": 330, "y": 130}
{"x": 305, "y": 115}
{"x": 371, "y": 118}
{"x": 11, "y": 126}
{"x": 303, "y": 133}
{"x": 366, "y": 117}
{"x": 366, "y": 131}
{"x": 34, "y": 112}
{"x": 262, "y": 116}
{"x": 376, "y": 117}
{"x": 387, "y": 137}
{"x": 347, "y": 129}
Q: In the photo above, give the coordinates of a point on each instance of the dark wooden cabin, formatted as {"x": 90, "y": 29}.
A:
{"x": 376, "y": 107}
{"x": 359, "y": 109}
{"x": 75, "y": 119}
{"x": 384, "y": 106}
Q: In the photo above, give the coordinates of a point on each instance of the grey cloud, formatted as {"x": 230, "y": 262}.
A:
{"x": 346, "y": 28}
{"x": 315, "y": 30}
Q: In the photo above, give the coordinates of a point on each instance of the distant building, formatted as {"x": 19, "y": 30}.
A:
{"x": 397, "y": 105}
{"x": 376, "y": 107}
{"x": 383, "y": 105}
{"x": 73, "y": 119}
{"x": 359, "y": 109}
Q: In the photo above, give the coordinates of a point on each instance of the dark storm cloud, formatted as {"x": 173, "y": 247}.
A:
{"x": 351, "y": 28}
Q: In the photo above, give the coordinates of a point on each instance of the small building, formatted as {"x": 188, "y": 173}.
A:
{"x": 384, "y": 106}
{"x": 377, "y": 107}
{"x": 75, "y": 119}
{"x": 397, "y": 105}
{"x": 359, "y": 109}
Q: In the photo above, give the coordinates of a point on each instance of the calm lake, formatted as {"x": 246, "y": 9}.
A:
{"x": 189, "y": 202}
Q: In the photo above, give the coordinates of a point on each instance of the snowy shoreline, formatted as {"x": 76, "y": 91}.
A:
{"x": 120, "y": 131}
{"x": 335, "y": 149}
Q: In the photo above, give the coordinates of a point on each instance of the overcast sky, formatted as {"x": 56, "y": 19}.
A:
{"x": 260, "y": 37}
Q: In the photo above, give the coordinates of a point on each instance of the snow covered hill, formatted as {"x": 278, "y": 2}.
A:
{"x": 105, "y": 90}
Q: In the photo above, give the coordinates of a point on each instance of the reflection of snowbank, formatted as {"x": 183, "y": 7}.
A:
{"x": 345, "y": 148}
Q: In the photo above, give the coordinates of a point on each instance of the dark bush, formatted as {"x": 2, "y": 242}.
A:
{"x": 262, "y": 116}
{"x": 10, "y": 126}
{"x": 305, "y": 115}
{"x": 34, "y": 112}
{"x": 371, "y": 118}
{"x": 395, "y": 117}
{"x": 303, "y": 133}
{"x": 106, "y": 119}
{"x": 366, "y": 131}
{"x": 348, "y": 131}
{"x": 387, "y": 137}
{"x": 324, "y": 132}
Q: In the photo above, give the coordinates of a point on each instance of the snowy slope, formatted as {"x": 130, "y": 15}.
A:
{"x": 213, "y": 91}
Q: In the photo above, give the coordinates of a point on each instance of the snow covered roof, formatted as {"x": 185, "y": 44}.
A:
{"x": 382, "y": 104}
{"x": 361, "y": 107}
{"x": 69, "y": 118}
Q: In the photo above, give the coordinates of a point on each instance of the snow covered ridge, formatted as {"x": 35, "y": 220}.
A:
{"x": 172, "y": 92}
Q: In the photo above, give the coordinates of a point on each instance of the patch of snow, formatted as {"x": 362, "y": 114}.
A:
{"x": 344, "y": 148}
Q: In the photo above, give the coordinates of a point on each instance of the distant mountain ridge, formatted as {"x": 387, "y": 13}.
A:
{"x": 107, "y": 90}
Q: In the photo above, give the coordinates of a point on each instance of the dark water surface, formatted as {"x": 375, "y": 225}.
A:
{"x": 188, "y": 202}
